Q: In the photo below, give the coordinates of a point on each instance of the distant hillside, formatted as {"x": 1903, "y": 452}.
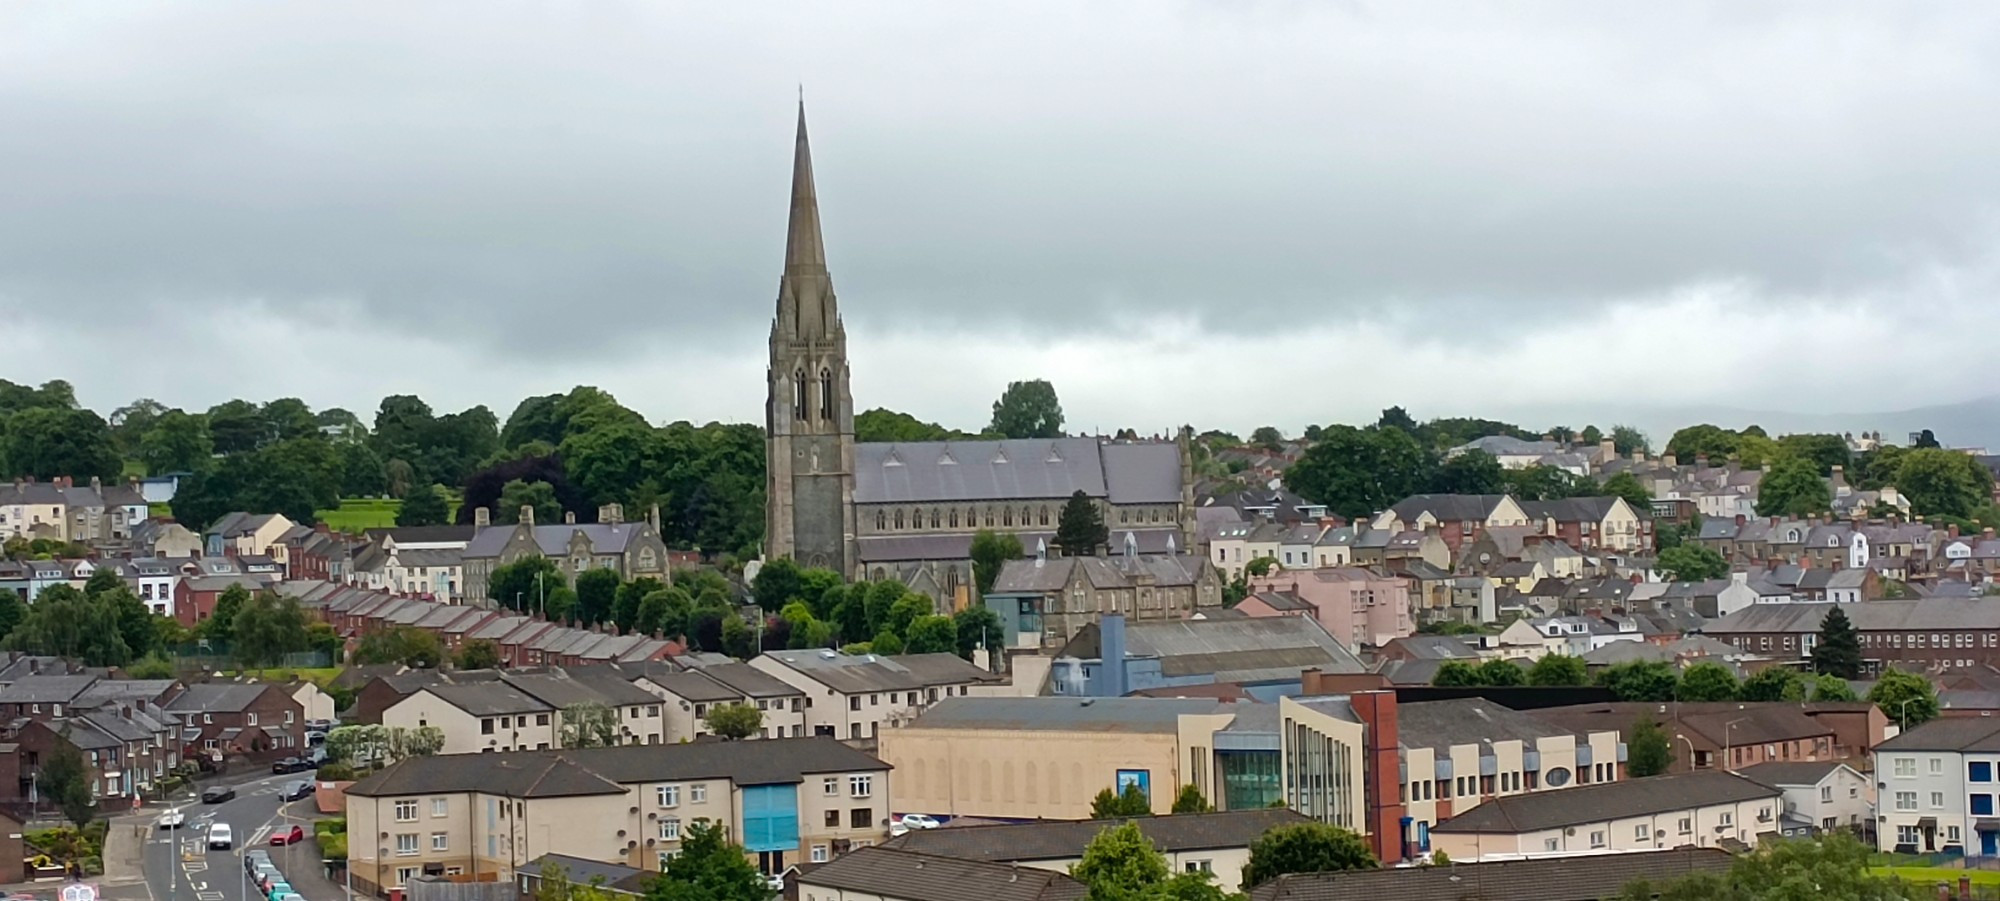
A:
{"x": 1972, "y": 423}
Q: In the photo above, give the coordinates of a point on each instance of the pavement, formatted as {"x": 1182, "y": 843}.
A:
{"x": 178, "y": 865}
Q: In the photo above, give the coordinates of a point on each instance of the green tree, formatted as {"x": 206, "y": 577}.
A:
{"x": 1628, "y": 486}
{"x": 587, "y": 724}
{"x": 1267, "y": 438}
{"x": 64, "y": 780}
{"x": 1793, "y": 487}
{"x": 1940, "y": 482}
{"x": 1590, "y": 435}
{"x": 1832, "y": 688}
{"x": 1774, "y": 683}
{"x": 479, "y": 653}
{"x": 886, "y": 643}
{"x": 1080, "y": 529}
{"x": 709, "y": 868}
{"x": 977, "y": 627}
{"x": 778, "y": 582}
{"x": 1825, "y": 451}
{"x": 1692, "y": 563}
{"x": 412, "y": 647}
{"x": 1028, "y": 410}
{"x": 1306, "y": 848}
{"x": 221, "y": 620}
{"x": 560, "y": 605}
{"x": 625, "y": 602}
{"x": 1648, "y": 752}
{"x": 135, "y": 621}
{"x": 1648, "y": 680}
{"x": 597, "y": 593}
{"x": 735, "y": 721}
{"x": 1706, "y": 440}
{"x": 1112, "y": 804}
{"x": 665, "y": 612}
{"x": 880, "y": 426}
{"x": 1119, "y": 863}
{"x": 1708, "y": 682}
{"x": 1501, "y": 672}
{"x": 1453, "y": 673}
{"x": 931, "y": 635}
{"x": 990, "y": 551}
{"x": 1189, "y": 800}
{"x": 1906, "y": 698}
{"x": 44, "y": 443}
{"x": 1472, "y": 472}
{"x": 1838, "y": 651}
{"x": 1833, "y": 865}
{"x": 423, "y": 506}
{"x": 538, "y": 495}
{"x": 524, "y": 583}
{"x": 1356, "y": 472}
{"x": 1546, "y": 483}
{"x": 1629, "y": 439}
{"x": 1558, "y": 670}
{"x": 64, "y": 622}
{"x": 176, "y": 441}
{"x": 266, "y": 629}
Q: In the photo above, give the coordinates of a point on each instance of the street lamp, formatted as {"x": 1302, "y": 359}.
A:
{"x": 1728, "y": 748}
{"x": 1903, "y": 714}
{"x": 1690, "y": 744}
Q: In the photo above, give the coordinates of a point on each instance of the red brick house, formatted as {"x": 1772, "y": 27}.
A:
{"x": 249, "y": 719}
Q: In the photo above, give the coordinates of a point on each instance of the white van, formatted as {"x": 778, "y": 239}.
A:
{"x": 219, "y": 837}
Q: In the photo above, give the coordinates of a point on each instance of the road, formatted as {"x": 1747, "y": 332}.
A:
{"x": 180, "y": 867}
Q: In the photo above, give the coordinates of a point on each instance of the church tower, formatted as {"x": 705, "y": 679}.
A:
{"x": 809, "y": 412}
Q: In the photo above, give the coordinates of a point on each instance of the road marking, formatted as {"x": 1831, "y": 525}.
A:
{"x": 208, "y": 896}
{"x": 198, "y": 886}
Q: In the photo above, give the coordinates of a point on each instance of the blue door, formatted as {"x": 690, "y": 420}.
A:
{"x": 1989, "y": 844}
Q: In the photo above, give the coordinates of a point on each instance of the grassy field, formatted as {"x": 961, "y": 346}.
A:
{"x": 1927, "y": 876}
{"x": 358, "y": 513}
{"x": 318, "y": 675}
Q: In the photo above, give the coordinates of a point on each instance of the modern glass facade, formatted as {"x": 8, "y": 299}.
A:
{"x": 1250, "y": 779}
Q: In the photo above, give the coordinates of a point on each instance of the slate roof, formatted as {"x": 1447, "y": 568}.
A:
{"x": 1948, "y": 734}
{"x": 1053, "y": 714}
{"x": 1780, "y": 773}
{"x": 746, "y": 679}
{"x": 694, "y": 686}
{"x": 588, "y": 771}
{"x": 865, "y": 673}
{"x": 1279, "y": 600}
{"x": 1045, "y": 469}
{"x": 893, "y": 873}
{"x": 1435, "y": 647}
{"x": 1921, "y": 614}
{"x": 1604, "y": 801}
{"x": 1062, "y": 839}
{"x": 488, "y": 698}
{"x": 1466, "y": 721}
{"x": 1231, "y": 650}
{"x": 215, "y": 697}
{"x": 46, "y": 689}
{"x": 604, "y": 538}
{"x": 1571, "y": 509}
{"x": 422, "y": 534}
{"x": 1447, "y": 507}
{"x": 1581, "y": 878}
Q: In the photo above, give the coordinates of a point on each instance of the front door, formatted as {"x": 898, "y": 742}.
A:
{"x": 1989, "y": 844}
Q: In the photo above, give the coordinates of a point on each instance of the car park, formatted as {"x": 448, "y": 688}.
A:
{"x": 265, "y": 874}
{"x": 254, "y": 858}
{"x": 220, "y": 838}
{"x": 216, "y": 794}
{"x": 173, "y": 819}
{"x": 278, "y": 890}
{"x": 283, "y": 836}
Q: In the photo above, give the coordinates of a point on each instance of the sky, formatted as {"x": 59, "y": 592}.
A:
{"x": 1230, "y": 214}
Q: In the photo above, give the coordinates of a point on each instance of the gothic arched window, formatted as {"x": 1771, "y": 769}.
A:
{"x": 934, "y": 517}
{"x": 799, "y": 407}
{"x": 954, "y": 517}
{"x": 881, "y": 520}
{"x": 1007, "y": 516}
{"x": 899, "y": 519}
{"x": 1024, "y": 516}
{"x": 1044, "y": 518}
{"x": 989, "y": 517}
{"x": 826, "y": 394}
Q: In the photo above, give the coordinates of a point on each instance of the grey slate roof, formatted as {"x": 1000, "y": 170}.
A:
{"x": 1948, "y": 734}
{"x": 770, "y": 761}
{"x": 1780, "y": 773}
{"x": 1447, "y": 507}
{"x": 1063, "y": 839}
{"x": 1587, "y": 878}
{"x": 1250, "y": 649}
{"x": 1466, "y": 721}
{"x": 213, "y": 697}
{"x": 604, "y": 538}
{"x": 926, "y": 471}
{"x": 1603, "y": 801}
{"x": 488, "y": 698}
{"x": 864, "y": 673}
{"x": 907, "y": 876}
{"x": 1571, "y": 509}
{"x": 1052, "y": 714}
{"x": 1922, "y": 614}
{"x": 46, "y": 689}
{"x": 750, "y": 680}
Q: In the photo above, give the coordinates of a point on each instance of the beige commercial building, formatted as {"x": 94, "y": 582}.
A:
{"x": 483, "y": 816}
{"x": 1706, "y": 809}
{"x": 1460, "y": 753}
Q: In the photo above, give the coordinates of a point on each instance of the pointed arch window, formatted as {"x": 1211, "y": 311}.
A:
{"x": 881, "y": 520}
{"x": 1007, "y": 516}
{"x": 799, "y": 407}
{"x": 1024, "y": 516}
{"x": 1043, "y": 519}
{"x": 934, "y": 517}
{"x": 826, "y": 394}
{"x": 899, "y": 519}
{"x": 954, "y": 517}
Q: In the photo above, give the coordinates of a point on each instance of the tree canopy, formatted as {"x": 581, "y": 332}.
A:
{"x": 1028, "y": 410}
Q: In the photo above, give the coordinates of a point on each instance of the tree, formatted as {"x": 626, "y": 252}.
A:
{"x": 1260, "y": 566}
{"x": 1942, "y": 482}
{"x": 1453, "y": 673}
{"x": 978, "y": 627}
{"x": 1774, "y": 683}
{"x": 1546, "y": 483}
{"x": 65, "y": 781}
{"x": 407, "y": 645}
{"x": 1838, "y": 651}
{"x": 1268, "y": 438}
{"x": 1832, "y": 865}
{"x": 1558, "y": 670}
{"x": 44, "y": 443}
{"x": 1648, "y": 680}
{"x": 221, "y": 620}
{"x": 1111, "y": 804}
{"x": 424, "y": 506}
{"x": 1907, "y": 698}
{"x": 1926, "y": 440}
{"x": 1028, "y": 410}
{"x": 665, "y": 612}
{"x": 1501, "y": 672}
{"x": 1648, "y": 752}
{"x": 990, "y": 551}
{"x": 64, "y": 622}
{"x": 522, "y": 584}
{"x": 1080, "y": 529}
{"x": 888, "y": 426}
{"x": 266, "y": 629}
{"x": 1708, "y": 682}
{"x": 1356, "y": 472}
{"x": 886, "y": 643}
{"x": 1590, "y": 435}
{"x": 1472, "y": 472}
{"x": 626, "y": 600}
{"x": 1628, "y": 439}
{"x": 1119, "y": 863}
{"x": 587, "y": 724}
{"x": 538, "y": 496}
{"x": 1306, "y": 848}
{"x": 931, "y": 635}
{"x": 709, "y": 868}
{"x": 1823, "y": 450}
{"x": 1832, "y": 688}
{"x": 1713, "y": 442}
{"x": 1627, "y": 486}
{"x": 1189, "y": 800}
{"x": 479, "y": 653}
{"x": 735, "y": 721}
{"x": 1692, "y": 563}
{"x": 596, "y": 596}
{"x": 176, "y": 441}
{"x": 1793, "y": 487}
{"x": 560, "y": 604}
{"x": 778, "y": 582}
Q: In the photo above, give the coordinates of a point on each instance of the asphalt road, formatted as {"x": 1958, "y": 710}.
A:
{"x": 180, "y": 867}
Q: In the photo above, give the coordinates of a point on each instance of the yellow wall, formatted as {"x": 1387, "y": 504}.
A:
{"x": 994, "y": 773}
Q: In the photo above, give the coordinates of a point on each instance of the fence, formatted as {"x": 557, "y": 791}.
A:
{"x": 215, "y": 655}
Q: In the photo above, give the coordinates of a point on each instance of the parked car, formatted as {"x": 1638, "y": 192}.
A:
{"x": 278, "y": 890}
{"x": 290, "y": 765}
{"x": 296, "y": 789}
{"x": 255, "y": 857}
{"x": 266, "y": 876}
{"x": 283, "y": 836}
{"x": 320, "y": 725}
{"x": 220, "y": 838}
{"x": 315, "y": 738}
{"x": 173, "y": 819}
{"x": 918, "y": 821}
{"x": 216, "y": 794}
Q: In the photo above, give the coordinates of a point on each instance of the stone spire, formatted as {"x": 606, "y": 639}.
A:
{"x": 806, "y": 308}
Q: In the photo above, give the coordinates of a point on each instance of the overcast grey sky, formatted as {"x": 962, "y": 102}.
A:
{"x": 1229, "y": 213}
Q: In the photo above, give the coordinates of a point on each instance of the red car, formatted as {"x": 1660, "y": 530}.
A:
{"x": 283, "y": 836}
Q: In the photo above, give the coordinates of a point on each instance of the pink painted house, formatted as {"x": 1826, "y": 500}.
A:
{"x": 1359, "y": 606}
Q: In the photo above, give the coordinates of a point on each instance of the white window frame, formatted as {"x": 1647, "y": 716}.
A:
{"x": 411, "y": 816}
{"x": 668, "y": 795}
{"x": 406, "y": 844}
{"x": 698, "y": 793}
{"x": 670, "y": 829}
{"x": 861, "y": 785}
{"x": 440, "y": 807}
{"x": 440, "y": 841}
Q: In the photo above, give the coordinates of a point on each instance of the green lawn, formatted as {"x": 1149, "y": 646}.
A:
{"x": 1934, "y": 875}
{"x": 358, "y": 513}
{"x": 317, "y": 675}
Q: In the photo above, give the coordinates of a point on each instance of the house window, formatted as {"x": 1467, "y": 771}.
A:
{"x": 440, "y": 806}
{"x": 406, "y": 844}
{"x": 860, "y": 786}
{"x": 1639, "y": 833}
{"x": 250, "y": 719}
{"x": 1687, "y": 825}
{"x": 667, "y": 856}
{"x": 1726, "y": 819}
{"x": 698, "y": 793}
{"x": 1548, "y": 844}
{"x": 819, "y": 851}
{"x": 860, "y": 818}
{"x": 1906, "y": 800}
{"x": 405, "y": 874}
{"x": 406, "y": 812}
{"x": 832, "y": 819}
{"x": 440, "y": 841}
{"x": 1937, "y": 799}
{"x": 1906, "y": 767}
{"x": 670, "y": 829}
{"x": 1937, "y": 765}
{"x": 830, "y": 786}
{"x": 1982, "y": 805}
{"x": 669, "y": 795}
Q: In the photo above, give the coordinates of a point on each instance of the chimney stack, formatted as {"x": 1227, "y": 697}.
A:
{"x": 611, "y": 514}
{"x": 96, "y": 484}
{"x": 653, "y": 516}
{"x": 527, "y": 514}
{"x": 482, "y": 517}
{"x": 569, "y": 517}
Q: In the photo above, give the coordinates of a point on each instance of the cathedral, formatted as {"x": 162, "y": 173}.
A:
{"x": 908, "y": 511}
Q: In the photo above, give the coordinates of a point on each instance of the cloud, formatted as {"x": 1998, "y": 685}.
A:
{"x": 1227, "y": 213}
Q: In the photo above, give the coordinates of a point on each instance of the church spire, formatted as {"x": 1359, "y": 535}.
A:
{"x": 804, "y": 254}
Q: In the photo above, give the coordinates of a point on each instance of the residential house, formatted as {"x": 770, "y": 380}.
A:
{"x": 853, "y": 696}
{"x": 1705, "y": 809}
{"x": 1238, "y": 544}
{"x": 1043, "y": 602}
{"x": 1820, "y": 796}
{"x": 1937, "y": 788}
{"x": 1717, "y": 735}
{"x": 160, "y": 539}
{"x": 1358, "y": 606}
{"x": 1592, "y": 523}
{"x": 220, "y": 719}
{"x": 194, "y": 597}
{"x": 883, "y": 874}
{"x": 633, "y": 549}
{"x": 1459, "y": 518}
{"x": 1925, "y": 634}
{"x": 247, "y": 534}
{"x": 1217, "y": 843}
{"x": 689, "y": 695}
{"x": 1462, "y": 753}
